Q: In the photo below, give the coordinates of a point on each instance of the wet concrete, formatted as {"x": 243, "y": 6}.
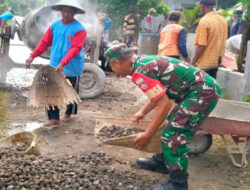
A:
{"x": 19, "y": 127}
{"x": 18, "y": 53}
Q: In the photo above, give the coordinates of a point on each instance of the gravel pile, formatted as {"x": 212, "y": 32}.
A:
{"x": 117, "y": 131}
{"x": 87, "y": 171}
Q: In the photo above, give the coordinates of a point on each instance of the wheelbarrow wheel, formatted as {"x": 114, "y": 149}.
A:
{"x": 200, "y": 144}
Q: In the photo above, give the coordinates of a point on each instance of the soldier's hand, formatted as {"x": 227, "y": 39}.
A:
{"x": 142, "y": 140}
{"x": 138, "y": 116}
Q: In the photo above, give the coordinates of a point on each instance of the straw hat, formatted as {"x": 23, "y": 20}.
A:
{"x": 69, "y": 3}
{"x": 152, "y": 10}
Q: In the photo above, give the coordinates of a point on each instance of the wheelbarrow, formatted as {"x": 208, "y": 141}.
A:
{"x": 228, "y": 118}
{"x": 231, "y": 118}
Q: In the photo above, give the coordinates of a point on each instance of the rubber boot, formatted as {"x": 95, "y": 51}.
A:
{"x": 156, "y": 164}
{"x": 176, "y": 181}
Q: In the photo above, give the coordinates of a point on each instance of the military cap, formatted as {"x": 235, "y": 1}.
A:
{"x": 116, "y": 51}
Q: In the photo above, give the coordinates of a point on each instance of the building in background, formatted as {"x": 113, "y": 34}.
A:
{"x": 176, "y": 5}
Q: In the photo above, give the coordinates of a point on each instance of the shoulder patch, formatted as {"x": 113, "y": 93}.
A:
{"x": 151, "y": 87}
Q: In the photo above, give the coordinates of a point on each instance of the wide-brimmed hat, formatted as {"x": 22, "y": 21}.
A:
{"x": 69, "y": 3}
{"x": 152, "y": 10}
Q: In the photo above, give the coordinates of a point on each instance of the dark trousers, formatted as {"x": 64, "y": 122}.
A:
{"x": 53, "y": 113}
{"x": 129, "y": 39}
{"x": 175, "y": 57}
{"x": 212, "y": 72}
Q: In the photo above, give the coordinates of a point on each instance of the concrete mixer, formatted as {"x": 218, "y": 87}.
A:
{"x": 35, "y": 24}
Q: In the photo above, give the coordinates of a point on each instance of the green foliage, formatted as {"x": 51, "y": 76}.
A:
{"x": 4, "y": 102}
{"x": 228, "y": 14}
{"x": 246, "y": 4}
{"x": 191, "y": 18}
{"x": 224, "y": 94}
{"x": 145, "y": 5}
{"x": 22, "y": 7}
{"x": 224, "y": 4}
{"x": 2, "y": 6}
{"x": 245, "y": 35}
{"x": 118, "y": 9}
{"x": 245, "y": 98}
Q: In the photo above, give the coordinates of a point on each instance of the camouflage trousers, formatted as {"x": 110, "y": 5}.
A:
{"x": 184, "y": 120}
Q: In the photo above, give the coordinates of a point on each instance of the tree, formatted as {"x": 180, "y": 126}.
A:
{"x": 117, "y": 10}
{"x": 224, "y": 4}
{"x": 145, "y": 5}
{"x": 2, "y": 6}
{"x": 24, "y": 6}
{"x": 191, "y": 18}
{"x": 245, "y": 35}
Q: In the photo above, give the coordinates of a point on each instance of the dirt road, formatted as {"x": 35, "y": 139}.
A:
{"x": 210, "y": 171}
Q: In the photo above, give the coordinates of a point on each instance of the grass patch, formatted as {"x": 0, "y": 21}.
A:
{"x": 4, "y": 103}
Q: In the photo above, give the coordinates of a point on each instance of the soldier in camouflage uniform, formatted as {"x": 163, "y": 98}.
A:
{"x": 162, "y": 78}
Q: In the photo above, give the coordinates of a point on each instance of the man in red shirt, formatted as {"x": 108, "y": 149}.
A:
{"x": 66, "y": 37}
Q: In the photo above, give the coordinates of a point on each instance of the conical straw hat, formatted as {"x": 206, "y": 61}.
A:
{"x": 69, "y": 3}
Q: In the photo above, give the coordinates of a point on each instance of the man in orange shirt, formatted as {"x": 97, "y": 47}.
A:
{"x": 210, "y": 39}
{"x": 173, "y": 38}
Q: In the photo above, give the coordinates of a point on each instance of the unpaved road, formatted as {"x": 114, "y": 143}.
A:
{"x": 210, "y": 171}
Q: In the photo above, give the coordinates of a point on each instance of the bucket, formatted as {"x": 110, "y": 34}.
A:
{"x": 148, "y": 43}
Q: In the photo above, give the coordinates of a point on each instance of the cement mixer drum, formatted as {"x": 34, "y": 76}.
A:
{"x": 35, "y": 25}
